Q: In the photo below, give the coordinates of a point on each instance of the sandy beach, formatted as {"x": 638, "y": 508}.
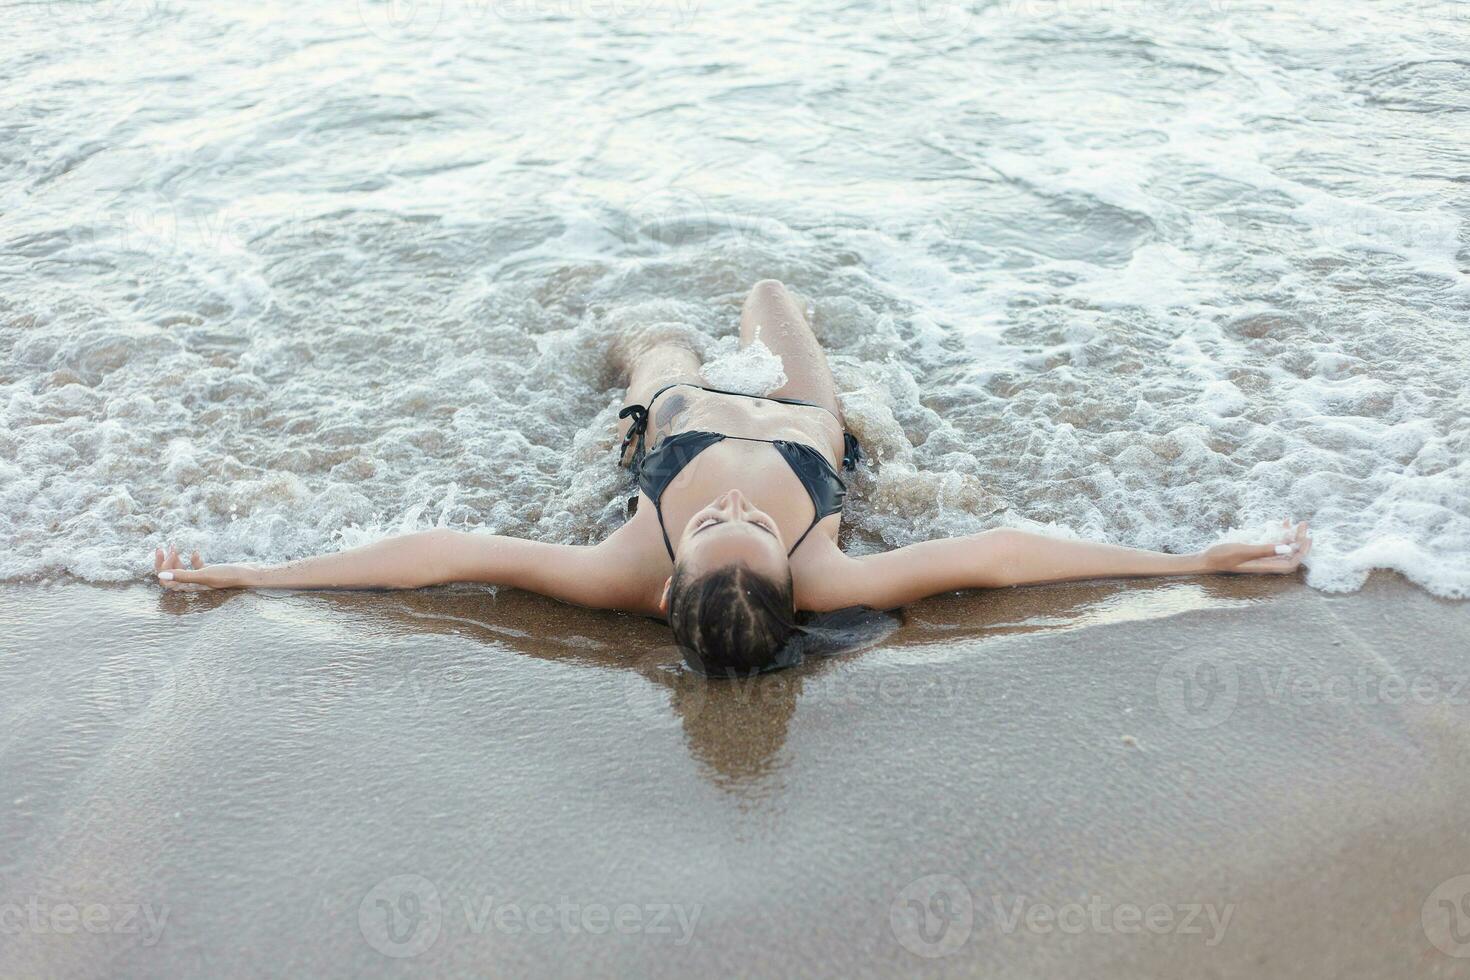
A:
{"x": 279, "y": 280}
{"x": 1185, "y": 777}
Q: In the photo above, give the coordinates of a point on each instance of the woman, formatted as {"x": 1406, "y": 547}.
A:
{"x": 735, "y": 531}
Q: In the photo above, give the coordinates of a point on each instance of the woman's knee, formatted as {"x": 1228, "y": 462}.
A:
{"x": 767, "y": 289}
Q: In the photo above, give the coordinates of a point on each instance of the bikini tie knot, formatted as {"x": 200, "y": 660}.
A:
{"x": 639, "y": 414}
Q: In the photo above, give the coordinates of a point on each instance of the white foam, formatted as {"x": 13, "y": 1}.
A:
{"x": 750, "y": 370}
{"x": 1175, "y": 283}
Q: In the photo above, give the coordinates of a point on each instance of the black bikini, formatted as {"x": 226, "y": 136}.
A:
{"x": 656, "y": 470}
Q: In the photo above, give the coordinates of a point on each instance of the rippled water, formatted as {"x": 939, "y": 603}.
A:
{"x": 278, "y": 277}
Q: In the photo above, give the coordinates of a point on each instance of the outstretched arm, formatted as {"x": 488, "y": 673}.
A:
{"x": 585, "y": 575}
{"x": 1010, "y": 557}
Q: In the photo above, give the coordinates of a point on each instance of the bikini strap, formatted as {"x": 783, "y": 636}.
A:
{"x": 658, "y": 508}
{"x": 815, "y": 521}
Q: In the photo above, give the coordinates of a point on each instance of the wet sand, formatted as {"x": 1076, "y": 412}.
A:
{"x": 1227, "y": 778}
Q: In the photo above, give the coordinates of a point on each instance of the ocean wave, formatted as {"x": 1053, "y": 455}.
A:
{"x": 1146, "y": 280}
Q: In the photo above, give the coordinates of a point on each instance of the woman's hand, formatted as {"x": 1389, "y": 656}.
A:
{"x": 172, "y": 574}
{"x": 1262, "y": 559}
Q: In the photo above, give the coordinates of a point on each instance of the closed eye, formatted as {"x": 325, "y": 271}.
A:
{"x": 712, "y": 521}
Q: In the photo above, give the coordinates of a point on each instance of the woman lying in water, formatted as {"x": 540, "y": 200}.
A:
{"x": 740, "y": 499}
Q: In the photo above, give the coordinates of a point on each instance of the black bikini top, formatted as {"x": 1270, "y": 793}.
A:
{"x": 656, "y": 470}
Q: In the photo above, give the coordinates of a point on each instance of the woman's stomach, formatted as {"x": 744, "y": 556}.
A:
{"x": 761, "y": 418}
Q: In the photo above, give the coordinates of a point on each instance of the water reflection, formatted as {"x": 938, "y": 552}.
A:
{"x": 737, "y": 730}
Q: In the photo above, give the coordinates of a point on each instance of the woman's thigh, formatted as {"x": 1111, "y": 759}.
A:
{"x": 776, "y": 313}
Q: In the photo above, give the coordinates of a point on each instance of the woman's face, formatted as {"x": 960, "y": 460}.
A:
{"x": 730, "y": 530}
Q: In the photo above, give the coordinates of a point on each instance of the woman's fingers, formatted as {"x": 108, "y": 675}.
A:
{"x": 1281, "y": 558}
{"x": 171, "y": 570}
{"x": 172, "y": 578}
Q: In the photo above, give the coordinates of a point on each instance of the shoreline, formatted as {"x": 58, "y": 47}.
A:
{"x": 265, "y": 766}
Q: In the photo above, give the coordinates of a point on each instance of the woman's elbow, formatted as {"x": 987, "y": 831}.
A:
{"x": 998, "y": 552}
{"x": 430, "y": 561}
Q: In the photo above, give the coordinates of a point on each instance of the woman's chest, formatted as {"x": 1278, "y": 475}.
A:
{"x": 692, "y": 410}
{"x": 756, "y": 469}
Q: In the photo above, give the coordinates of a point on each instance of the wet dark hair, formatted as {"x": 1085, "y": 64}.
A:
{"x": 731, "y": 622}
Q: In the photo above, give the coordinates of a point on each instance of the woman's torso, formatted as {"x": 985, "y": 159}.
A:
{"x": 684, "y": 408}
{"x": 755, "y": 468}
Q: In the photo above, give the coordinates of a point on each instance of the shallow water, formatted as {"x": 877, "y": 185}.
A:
{"x": 280, "y": 277}
{"x": 350, "y": 784}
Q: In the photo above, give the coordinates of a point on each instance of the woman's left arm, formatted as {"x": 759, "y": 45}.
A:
{"x": 1002, "y": 557}
{"x": 590, "y": 575}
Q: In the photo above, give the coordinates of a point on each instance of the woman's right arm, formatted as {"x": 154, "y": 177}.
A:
{"x": 585, "y": 575}
{"x": 1006, "y": 556}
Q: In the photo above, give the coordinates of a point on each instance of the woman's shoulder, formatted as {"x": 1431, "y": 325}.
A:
{"x": 634, "y": 555}
{"x": 823, "y": 576}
